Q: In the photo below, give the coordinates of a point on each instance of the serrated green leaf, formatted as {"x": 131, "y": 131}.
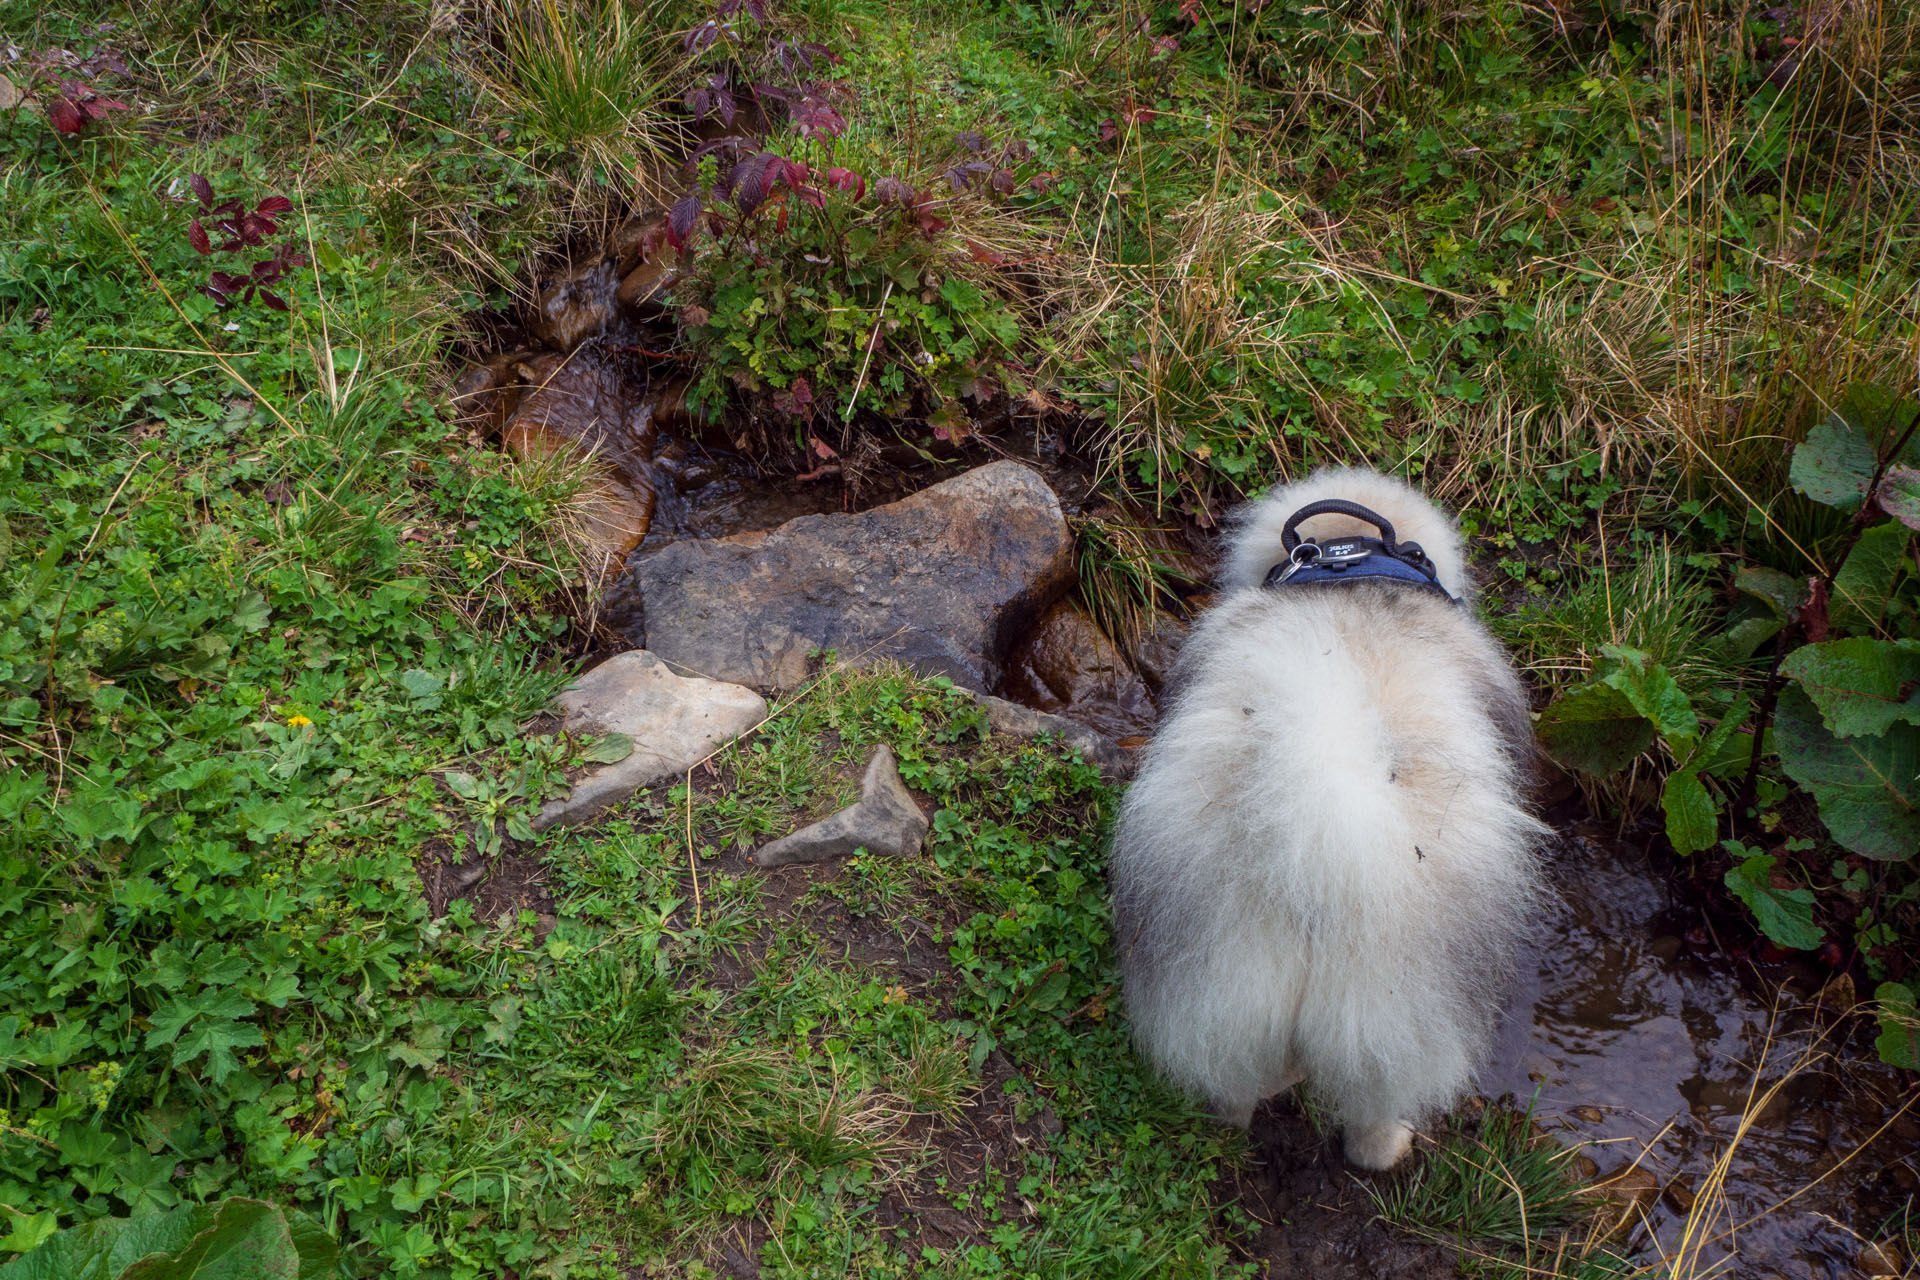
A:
{"x": 1833, "y": 464}
{"x": 611, "y": 749}
{"x": 1865, "y": 582}
{"x": 1595, "y": 729}
{"x": 1652, "y": 692}
{"x": 1866, "y": 786}
{"x": 1784, "y": 915}
{"x": 1862, "y": 686}
{"x": 252, "y": 613}
{"x": 1692, "y": 819}
{"x": 1899, "y": 1038}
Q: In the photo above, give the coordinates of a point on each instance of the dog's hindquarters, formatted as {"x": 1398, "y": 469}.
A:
{"x": 1320, "y": 868}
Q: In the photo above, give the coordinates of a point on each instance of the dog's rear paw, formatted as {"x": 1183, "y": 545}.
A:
{"x": 1378, "y": 1146}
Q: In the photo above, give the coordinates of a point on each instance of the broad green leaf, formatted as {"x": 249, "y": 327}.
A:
{"x": 464, "y": 785}
{"x": 423, "y": 687}
{"x": 1653, "y": 693}
{"x": 1861, "y": 686}
{"x": 252, "y": 613}
{"x": 1833, "y": 464}
{"x": 217, "y": 1038}
{"x": 168, "y": 1021}
{"x": 1692, "y": 819}
{"x": 1899, "y": 1038}
{"x": 234, "y": 1240}
{"x": 1744, "y": 638}
{"x": 1780, "y": 592}
{"x": 1899, "y": 495}
{"x": 1865, "y": 581}
{"x": 518, "y": 827}
{"x": 247, "y": 1239}
{"x": 1595, "y": 729}
{"x": 1866, "y": 786}
{"x": 28, "y": 1230}
{"x": 1784, "y": 915}
{"x": 611, "y": 749}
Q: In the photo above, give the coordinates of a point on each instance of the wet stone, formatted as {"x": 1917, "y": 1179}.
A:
{"x": 576, "y": 306}
{"x": 942, "y": 581}
{"x": 886, "y": 820}
{"x": 674, "y": 722}
{"x": 1068, "y": 666}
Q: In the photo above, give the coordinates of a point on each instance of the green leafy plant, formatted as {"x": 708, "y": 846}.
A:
{"x": 235, "y": 1237}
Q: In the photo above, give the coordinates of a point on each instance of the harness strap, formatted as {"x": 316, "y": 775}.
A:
{"x": 1351, "y": 557}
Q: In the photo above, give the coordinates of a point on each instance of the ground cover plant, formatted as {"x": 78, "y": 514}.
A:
{"x": 1634, "y": 291}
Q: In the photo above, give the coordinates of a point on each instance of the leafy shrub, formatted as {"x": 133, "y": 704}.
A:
{"x": 1839, "y": 711}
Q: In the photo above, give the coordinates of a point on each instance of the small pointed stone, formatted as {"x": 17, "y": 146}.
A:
{"x": 886, "y": 821}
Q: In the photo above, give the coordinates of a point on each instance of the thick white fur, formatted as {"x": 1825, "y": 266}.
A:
{"x": 1323, "y": 868}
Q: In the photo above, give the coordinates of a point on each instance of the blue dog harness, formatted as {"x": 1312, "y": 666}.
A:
{"x": 1350, "y": 557}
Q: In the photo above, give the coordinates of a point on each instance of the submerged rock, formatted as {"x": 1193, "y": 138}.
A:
{"x": 943, "y": 580}
{"x": 674, "y": 722}
{"x": 886, "y": 820}
{"x": 1068, "y": 666}
{"x": 628, "y": 279}
{"x": 541, "y": 403}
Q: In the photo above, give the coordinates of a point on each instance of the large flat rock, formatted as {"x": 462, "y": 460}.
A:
{"x": 675, "y": 722}
{"x": 944, "y": 581}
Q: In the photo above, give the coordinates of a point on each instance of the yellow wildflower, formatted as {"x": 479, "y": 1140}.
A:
{"x": 298, "y": 722}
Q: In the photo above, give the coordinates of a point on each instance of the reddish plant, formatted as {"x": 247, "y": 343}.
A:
{"x": 243, "y": 228}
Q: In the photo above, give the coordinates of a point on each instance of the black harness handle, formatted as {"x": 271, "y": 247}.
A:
{"x": 1337, "y": 507}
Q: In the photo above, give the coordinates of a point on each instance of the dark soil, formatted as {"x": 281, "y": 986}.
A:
{"x": 1317, "y": 1221}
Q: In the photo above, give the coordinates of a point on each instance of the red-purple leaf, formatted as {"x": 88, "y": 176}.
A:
{"x": 197, "y": 237}
{"x": 1002, "y": 181}
{"x": 682, "y": 219}
{"x": 812, "y": 195}
{"x": 892, "y": 190}
{"x": 847, "y": 180}
{"x": 273, "y": 300}
{"x": 65, "y": 116}
{"x": 813, "y": 115}
{"x": 758, "y": 9}
{"x": 971, "y": 141}
{"x": 203, "y": 191}
{"x": 272, "y": 205}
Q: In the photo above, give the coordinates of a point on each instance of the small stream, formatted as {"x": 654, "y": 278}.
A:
{"x": 1633, "y": 1035}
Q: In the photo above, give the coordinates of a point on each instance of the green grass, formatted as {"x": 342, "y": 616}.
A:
{"x": 263, "y": 602}
{"x": 1507, "y": 1196}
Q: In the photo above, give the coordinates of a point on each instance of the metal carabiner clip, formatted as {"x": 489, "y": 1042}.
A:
{"x": 1301, "y": 557}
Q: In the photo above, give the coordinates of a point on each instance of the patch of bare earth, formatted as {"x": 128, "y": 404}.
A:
{"x": 1315, "y": 1218}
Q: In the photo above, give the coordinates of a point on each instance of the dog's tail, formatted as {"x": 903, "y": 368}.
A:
{"x": 1255, "y": 545}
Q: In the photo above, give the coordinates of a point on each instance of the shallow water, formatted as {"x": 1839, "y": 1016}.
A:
{"x": 1645, "y": 1047}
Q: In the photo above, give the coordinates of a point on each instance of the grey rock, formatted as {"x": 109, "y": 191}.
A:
{"x": 675, "y": 722}
{"x": 944, "y": 581}
{"x": 1094, "y": 747}
{"x": 886, "y": 820}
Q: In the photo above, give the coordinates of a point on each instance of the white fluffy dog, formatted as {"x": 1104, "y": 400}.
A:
{"x": 1323, "y": 870}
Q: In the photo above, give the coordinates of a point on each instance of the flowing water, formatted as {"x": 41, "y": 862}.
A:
{"x": 1635, "y": 1037}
